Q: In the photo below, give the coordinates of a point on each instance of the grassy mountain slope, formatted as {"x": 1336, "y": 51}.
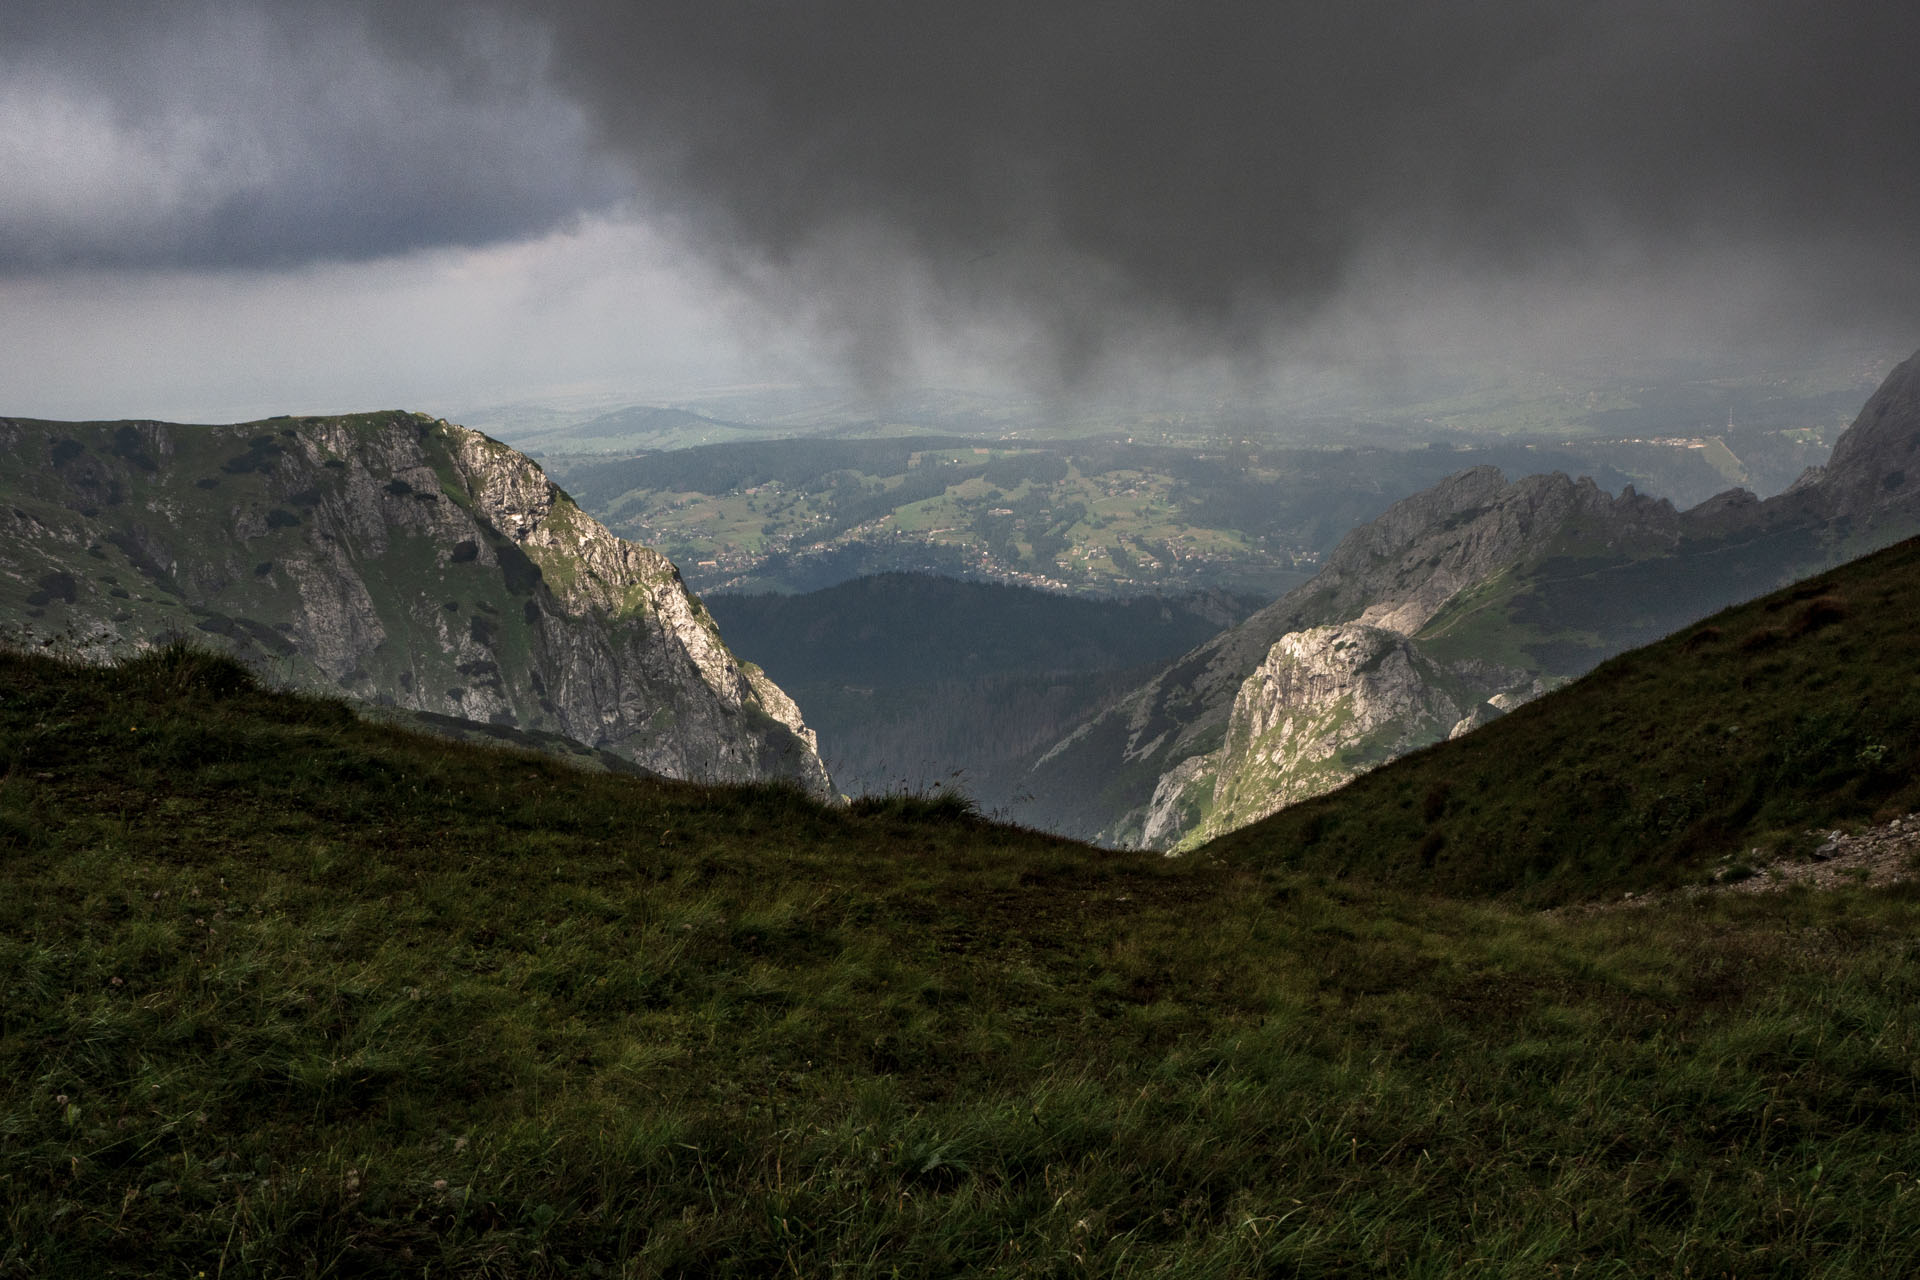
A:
{"x": 1741, "y": 731}
{"x": 283, "y": 992}
{"x": 1572, "y": 604}
{"x": 1544, "y": 578}
{"x": 397, "y": 558}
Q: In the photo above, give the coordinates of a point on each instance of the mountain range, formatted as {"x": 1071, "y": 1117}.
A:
{"x": 429, "y": 570}
{"x": 1455, "y": 605}
{"x": 401, "y": 560}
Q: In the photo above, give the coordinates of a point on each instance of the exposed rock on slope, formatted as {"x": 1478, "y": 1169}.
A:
{"x": 1395, "y": 574}
{"x": 1495, "y": 591}
{"x": 395, "y": 558}
{"x": 1872, "y": 478}
{"x": 1326, "y": 704}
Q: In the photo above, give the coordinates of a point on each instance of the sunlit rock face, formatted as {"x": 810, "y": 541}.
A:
{"x": 1325, "y": 705}
{"x": 398, "y": 559}
{"x": 1470, "y": 597}
{"x": 1396, "y": 575}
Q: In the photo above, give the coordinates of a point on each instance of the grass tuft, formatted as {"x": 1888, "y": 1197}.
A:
{"x": 940, "y": 805}
{"x": 179, "y": 668}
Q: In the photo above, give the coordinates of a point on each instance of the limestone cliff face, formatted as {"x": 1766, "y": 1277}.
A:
{"x": 396, "y": 558}
{"x": 1395, "y": 574}
{"x": 1325, "y": 705}
{"x": 1872, "y": 478}
{"x": 1461, "y": 602}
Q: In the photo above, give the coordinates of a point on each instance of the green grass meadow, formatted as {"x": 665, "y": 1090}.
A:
{"x": 284, "y": 993}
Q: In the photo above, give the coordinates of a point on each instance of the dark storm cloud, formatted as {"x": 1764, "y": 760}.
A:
{"x": 1051, "y": 186}
{"x": 231, "y": 134}
{"x": 1235, "y": 165}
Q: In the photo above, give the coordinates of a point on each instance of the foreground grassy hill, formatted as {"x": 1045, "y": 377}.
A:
{"x": 286, "y": 993}
{"x": 1739, "y": 733}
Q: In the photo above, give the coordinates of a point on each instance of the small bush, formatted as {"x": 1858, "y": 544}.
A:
{"x": 179, "y": 668}
{"x": 1821, "y": 612}
{"x": 941, "y": 805}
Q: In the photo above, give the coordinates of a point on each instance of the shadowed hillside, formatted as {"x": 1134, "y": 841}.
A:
{"x": 915, "y": 681}
{"x": 287, "y": 992}
{"x": 1744, "y": 730}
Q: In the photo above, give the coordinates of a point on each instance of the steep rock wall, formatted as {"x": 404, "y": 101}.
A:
{"x": 393, "y": 557}
{"x": 1325, "y": 705}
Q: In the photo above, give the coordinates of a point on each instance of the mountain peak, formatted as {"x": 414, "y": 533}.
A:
{"x": 399, "y": 559}
{"x": 1876, "y": 462}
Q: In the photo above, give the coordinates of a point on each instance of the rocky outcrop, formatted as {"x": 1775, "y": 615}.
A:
{"x": 1396, "y": 574}
{"x": 1326, "y": 704}
{"x": 1398, "y": 571}
{"x": 1872, "y": 477}
{"x": 1495, "y": 591}
{"x": 1496, "y": 706}
{"x": 399, "y": 559}
{"x": 1874, "y": 857}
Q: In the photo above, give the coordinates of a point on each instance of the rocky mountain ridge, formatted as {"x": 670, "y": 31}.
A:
{"x": 396, "y": 558}
{"x": 1394, "y": 574}
{"x": 1483, "y": 593}
{"x": 1324, "y": 705}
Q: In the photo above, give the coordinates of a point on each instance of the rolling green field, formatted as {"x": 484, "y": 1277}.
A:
{"x": 288, "y": 993}
{"x": 1099, "y": 516}
{"x": 1121, "y": 514}
{"x": 1104, "y": 517}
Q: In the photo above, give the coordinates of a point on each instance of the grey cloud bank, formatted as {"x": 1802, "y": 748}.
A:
{"x": 1230, "y": 167}
{"x": 1060, "y": 193}
{"x": 221, "y": 135}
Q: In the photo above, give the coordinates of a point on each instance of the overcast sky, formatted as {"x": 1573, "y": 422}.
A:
{"x": 214, "y": 209}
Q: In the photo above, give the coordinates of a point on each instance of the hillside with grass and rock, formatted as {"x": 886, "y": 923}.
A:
{"x": 1738, "y": 736}
{"x": 1496, "y": 591}
{"x": 287, "y": 991}
{"x": 395, "y": 558}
